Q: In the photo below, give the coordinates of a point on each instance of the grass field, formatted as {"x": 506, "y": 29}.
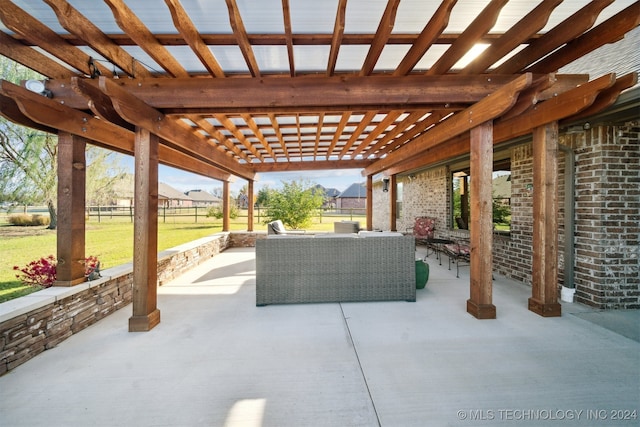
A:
{"x": 111, "y": 241}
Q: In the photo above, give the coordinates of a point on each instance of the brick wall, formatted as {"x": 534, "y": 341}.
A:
{"x": 607, "y": 214}
{"x": 426, "y": 194}
{"x": 607, "y": 271}
{"x": 37, "y": 322}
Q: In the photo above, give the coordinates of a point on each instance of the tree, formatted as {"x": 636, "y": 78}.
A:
{"x": 294, "y": 204}
{"x": 262, "y": 199}
{"x": 104, "y": 172}
{"x": 28, "y": 159}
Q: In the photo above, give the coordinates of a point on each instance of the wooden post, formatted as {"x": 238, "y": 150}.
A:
{"x": 544, "y": 278}
{"x": 369, "y": 212}
{"x": 393, "y": 196}
{"x": 145, "y": 233}
{"x": 71, "y": 200}
{"x": 481, "y": 229}
{"x": 225, "y": 206}
{"x": 250, "y": 203}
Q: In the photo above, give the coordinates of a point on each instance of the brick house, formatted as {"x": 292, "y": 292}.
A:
{"x": 354, "y": 197}
{"x": 604, "y": 248}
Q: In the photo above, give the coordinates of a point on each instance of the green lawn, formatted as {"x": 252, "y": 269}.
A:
{"x": 111, "y": 241}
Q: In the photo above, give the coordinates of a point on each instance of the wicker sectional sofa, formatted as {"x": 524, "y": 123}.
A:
{"x": 335, "y": 268}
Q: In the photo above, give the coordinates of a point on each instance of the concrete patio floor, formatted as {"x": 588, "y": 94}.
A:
{"x": 218, "y": 360}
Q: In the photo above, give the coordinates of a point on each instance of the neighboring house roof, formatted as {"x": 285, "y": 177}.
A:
{"x": 331, "y": 192}
{"x": 166, "y": 191}
{"x": 203, "y": 196}
{"x": 356, "y": 190}
{"x": 622, "y": 57}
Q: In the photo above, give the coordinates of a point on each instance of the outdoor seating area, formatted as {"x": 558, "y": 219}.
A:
{"x": 331, "y": 267}
{"x": 218, "y": 360}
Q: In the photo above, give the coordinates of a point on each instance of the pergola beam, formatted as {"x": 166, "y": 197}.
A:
{"x": 487, "y": 109}
{"x": 565, "y": 106}
{"x": 287, "y": 94}
{"x": 52, "y": 117}
{"x": 137, "y": 112}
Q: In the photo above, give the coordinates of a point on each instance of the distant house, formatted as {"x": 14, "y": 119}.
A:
{"x": 169, "y": 197}
{"x": 202, "y": 198}
{"x": 354, "y": 197}
{"x": 329, "y": 195}
{"x": 123, "y": 191}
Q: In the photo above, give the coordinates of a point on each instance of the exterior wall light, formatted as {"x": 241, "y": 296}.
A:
{"x": 385, "y": 184}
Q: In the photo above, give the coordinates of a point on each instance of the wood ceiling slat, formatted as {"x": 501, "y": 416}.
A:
{"x": 237, "y": 133}
{"x": 307, "y": 166}
{"x": 140, "y": 34}
{"x": 190, "y": 33}
{"x": 77, "y": 24}
{"x": 256, "y": 131}
{"x": 412, "y": 133}
{"x": 436, "y": 25}
{"x": 219, "y": 136}
{"x": 343, "y": 123}
{"x": 241, "y": 35}
{"x": 299, "y": 133}
{"x": 336, "y": 39}
{"x": 278, "y": 132}
{"x": 392, "y": 133}
{"x": 385, "y": 124}
{"x": 318, "y": 134}
{"x": 564, "y": 32}
{"x": 31, "y": 58}
{"x": 533, "y": 22}
{"x": 286, "y": 12}
{"x": 38, "y": 34}
{"x": 382, "y": 35}
{"x": 489, "y": 108}
{"x": 611, "y": 30}
{"x": 180, "y": 135}
{"x": 480, "y": 26}
{"x": 366, "y": 120}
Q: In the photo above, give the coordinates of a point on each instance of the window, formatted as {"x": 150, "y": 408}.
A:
{"x": 460, "y": 209}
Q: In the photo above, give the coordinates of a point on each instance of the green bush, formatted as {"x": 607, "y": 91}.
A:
{"x": 26, "y": 220}
{"x": 216, "y": 212}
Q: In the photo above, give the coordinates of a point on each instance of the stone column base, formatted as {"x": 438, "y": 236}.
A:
{"x": 481, "y": 311}
{"x": 553, "y": 309}
{"x": 144, "y": 323}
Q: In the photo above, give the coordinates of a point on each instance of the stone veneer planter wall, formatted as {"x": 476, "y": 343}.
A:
{"x": 37, "y": 322}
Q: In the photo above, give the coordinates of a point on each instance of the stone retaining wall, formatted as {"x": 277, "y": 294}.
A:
{"x": 37, "y": 322}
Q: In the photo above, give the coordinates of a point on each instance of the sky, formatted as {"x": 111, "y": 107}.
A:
{"x": 184, "y": 181}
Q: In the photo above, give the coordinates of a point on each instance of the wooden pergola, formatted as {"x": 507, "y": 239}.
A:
{"x": 259, "y": 86}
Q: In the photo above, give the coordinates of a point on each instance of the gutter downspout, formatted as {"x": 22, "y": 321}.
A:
{"x": 569, "y": 287}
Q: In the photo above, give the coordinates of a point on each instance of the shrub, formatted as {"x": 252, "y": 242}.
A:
{"x": 216, "y": 212}
{"x": 26, "y": 220}
{"x": 43, "y": 272}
